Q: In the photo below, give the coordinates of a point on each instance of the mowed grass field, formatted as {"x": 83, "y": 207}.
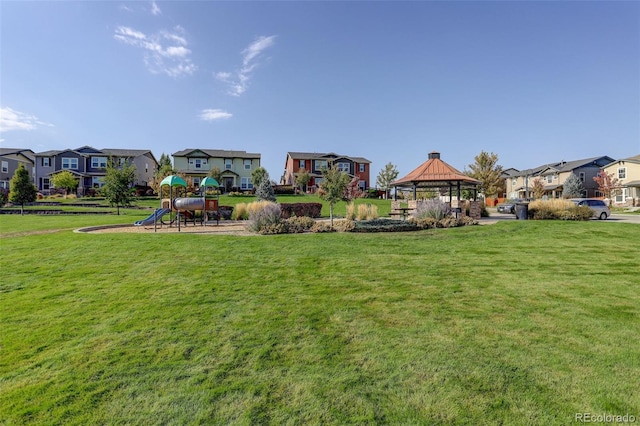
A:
{"x": 521, "y": 322}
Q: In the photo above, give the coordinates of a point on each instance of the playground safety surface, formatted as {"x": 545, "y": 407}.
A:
{"x": 224, "y": 228}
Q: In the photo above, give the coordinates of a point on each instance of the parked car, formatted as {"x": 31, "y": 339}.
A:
{"x": 598, "y": 207}
{"x": 509, "y": 206}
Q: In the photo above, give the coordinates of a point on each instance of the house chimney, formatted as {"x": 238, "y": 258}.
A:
{"x": 434, "y": 154}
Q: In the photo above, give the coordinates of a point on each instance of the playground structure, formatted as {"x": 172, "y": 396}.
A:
{"x": 175, "y": 207}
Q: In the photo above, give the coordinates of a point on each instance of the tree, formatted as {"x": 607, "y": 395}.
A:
{"x": 64, "y": 180}
{"x": 303, "y": 179}
{"x": 353, "y": 191}
{"x": 165, "y": 160}
{"x": 215, "y": 173}
{"x": 332, "y": 187}
{"x": 607, "y": 184}
{"x": 257, "y": 175}
{"x": 572, "y": 187}
{"x": 385, "y": 177}
{"x": 117, "y": 184}
{"x": 264, "y": 191}
{"x": 21, "y": 189}
{"x": 538, "y": 188}
{"x": 488, "y": 172}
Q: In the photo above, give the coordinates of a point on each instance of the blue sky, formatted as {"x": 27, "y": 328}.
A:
{"x": 534, "y": 82}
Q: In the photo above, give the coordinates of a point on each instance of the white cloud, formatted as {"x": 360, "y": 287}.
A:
{"x": 239, "y": 82}
{"x": 214, "y": 114}
{"x": 164, "y": 52}
{"x": 155, "y": 10}
{"x": 11, "y": 119}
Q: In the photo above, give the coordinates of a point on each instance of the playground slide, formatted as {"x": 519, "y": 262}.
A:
{"x": 155, "y": 216}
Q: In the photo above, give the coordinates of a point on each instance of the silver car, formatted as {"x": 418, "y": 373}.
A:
{"x": 598, "y": 207}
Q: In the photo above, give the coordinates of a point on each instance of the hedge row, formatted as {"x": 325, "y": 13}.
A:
{"x": 300, "y": 209}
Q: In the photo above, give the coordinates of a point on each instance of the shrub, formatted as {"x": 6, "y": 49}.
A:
{"x": 367, "y": 212}
{"x": 301, "y": 209}
{"x": 284, "y": 189}
{"x": 351, "y": 211}
{"x": 345, "y": 225}
{"x": 448, "y": 222}
{"x": 434, "y": 208}
{"x": 322, "y": 227}
{"x": 275, "y": 228}
{"x": 576, "y": 213}
{"x": 263, "y": 216}
{"x": 384, "y": 225}
{"x": 558, "y": 209}
{"x": 4, "y": 196}
{"x": 240, "y": 212}
{"x": 299, "y": 224}
{"x": 424, "y": 222}
{"x": 466, "y": 221}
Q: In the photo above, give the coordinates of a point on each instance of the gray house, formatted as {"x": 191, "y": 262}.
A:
{"x": 89, "y": 165}
{"x": 11, "y": 159}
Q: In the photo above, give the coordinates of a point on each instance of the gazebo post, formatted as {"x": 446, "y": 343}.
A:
{"x": 415, "y": 191}
{"x": 458, "y": 185}
{"x": 450, "y": 193}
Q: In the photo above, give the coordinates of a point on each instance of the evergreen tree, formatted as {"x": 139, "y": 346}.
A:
{"x": 385, "y": 177}
{"x": 165, "y": 160}
{"x": 117, "y": 184}
{"x": 572, "y": 187}
{"x": 21, "y": 189}
{"x": 264, "y": 191}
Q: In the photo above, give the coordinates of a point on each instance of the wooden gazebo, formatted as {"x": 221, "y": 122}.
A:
{"x": 437, "y": 175}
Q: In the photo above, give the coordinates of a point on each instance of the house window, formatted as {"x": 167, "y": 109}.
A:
{"x": 320, "y": 164}
{"x": 5, "y": 167}
{"x": 549, "y": 178}
{"x": 362, "y": 184}
{"x": 361, "y": 168}
{"x": 514, "y": 182}
{"x": 146, "y": 167}
{"x": 196, "y": 182}
{"x": 45, "y": 183}
{"x": 46, "y": 162}
{"x": 344, "y": 167}
{"x": 198, "y": 163}
{"x": 581, "y": 176}
{"x": 70, "y": 163}
{"x": 228, "y": 163}
{"x": 122, "y": 161}
{"x": 622, "y": 173}
{"x": 302, "y": 164}
{"x": 319, "y": 181}
{"x": 98, "y": 162}
{"x": 245, "y": 183}
{"x": 97, "y": 182}
{"x": 247, "y": 164}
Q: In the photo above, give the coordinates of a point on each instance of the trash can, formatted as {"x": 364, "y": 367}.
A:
{"x": 522, "y": 211}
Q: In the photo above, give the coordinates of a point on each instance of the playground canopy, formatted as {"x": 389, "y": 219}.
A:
{"x": 173, "y": 180}
{"x": 437, "y": 175}
{"x": 209, "y": 181}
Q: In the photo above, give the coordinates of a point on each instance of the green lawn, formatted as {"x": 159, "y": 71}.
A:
{"x": 521, "y": 322}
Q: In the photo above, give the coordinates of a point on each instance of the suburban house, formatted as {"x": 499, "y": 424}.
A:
{"x": 519, "y": 184}
{"x": 313, "y": 163}
{"x": 89, "y": 165}
{"x": 235, "y": 166}
{"x": 10, "y": 160}
{"x": 627, "y": 171}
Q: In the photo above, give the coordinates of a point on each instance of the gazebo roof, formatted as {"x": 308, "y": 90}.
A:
{"x": 434, "y": 173}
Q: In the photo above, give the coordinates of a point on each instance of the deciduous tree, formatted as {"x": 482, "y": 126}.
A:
{"x": 64, "y": 180}
{"x": 385, "y": 177}
{"x": 537, "y": 188}
{"x": 303, "y": 179}
{"x": 21, "y": 189}
{"x": 332, "y": 187}
{"x": 117, "y": 189}
{"x": 488, "y": 172}
{"x": 608, "y": 184}
{"x": 257, "y": 176}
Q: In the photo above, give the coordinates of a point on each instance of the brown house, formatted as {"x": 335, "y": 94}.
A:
{"x": 313, "y": 163}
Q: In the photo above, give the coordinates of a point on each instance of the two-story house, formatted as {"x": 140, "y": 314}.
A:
{"x": 11, "y": 159}
{"x": 235, "y": 166}
{"x": 314, "y": 163}
{"x": 519, "y": 184}
{"x": 89, "y": 166}
{"x": 627, "y": 171}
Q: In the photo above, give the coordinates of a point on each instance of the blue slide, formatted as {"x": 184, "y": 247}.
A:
{"x": 155, "y": 216}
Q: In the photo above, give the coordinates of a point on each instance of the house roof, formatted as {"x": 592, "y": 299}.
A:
{"x": 324, "y": 155}
{"x": 435, "y": 171}
{"x": 566, "y": 166}
{"x": 129, "y": 153}
{"x": 7, "y": 152}
{"x": 217, "y": 153}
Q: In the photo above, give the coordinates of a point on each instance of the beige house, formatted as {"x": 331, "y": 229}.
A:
{"x": 520, "y": 184}
{"x": 235, "y": 166}
{"x": 627, "y": 171}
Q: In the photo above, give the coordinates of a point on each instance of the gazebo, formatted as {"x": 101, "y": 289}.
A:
{"x": 437, "y": 175}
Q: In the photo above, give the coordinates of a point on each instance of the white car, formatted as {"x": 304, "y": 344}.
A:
{"x": 598, "y": 207}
